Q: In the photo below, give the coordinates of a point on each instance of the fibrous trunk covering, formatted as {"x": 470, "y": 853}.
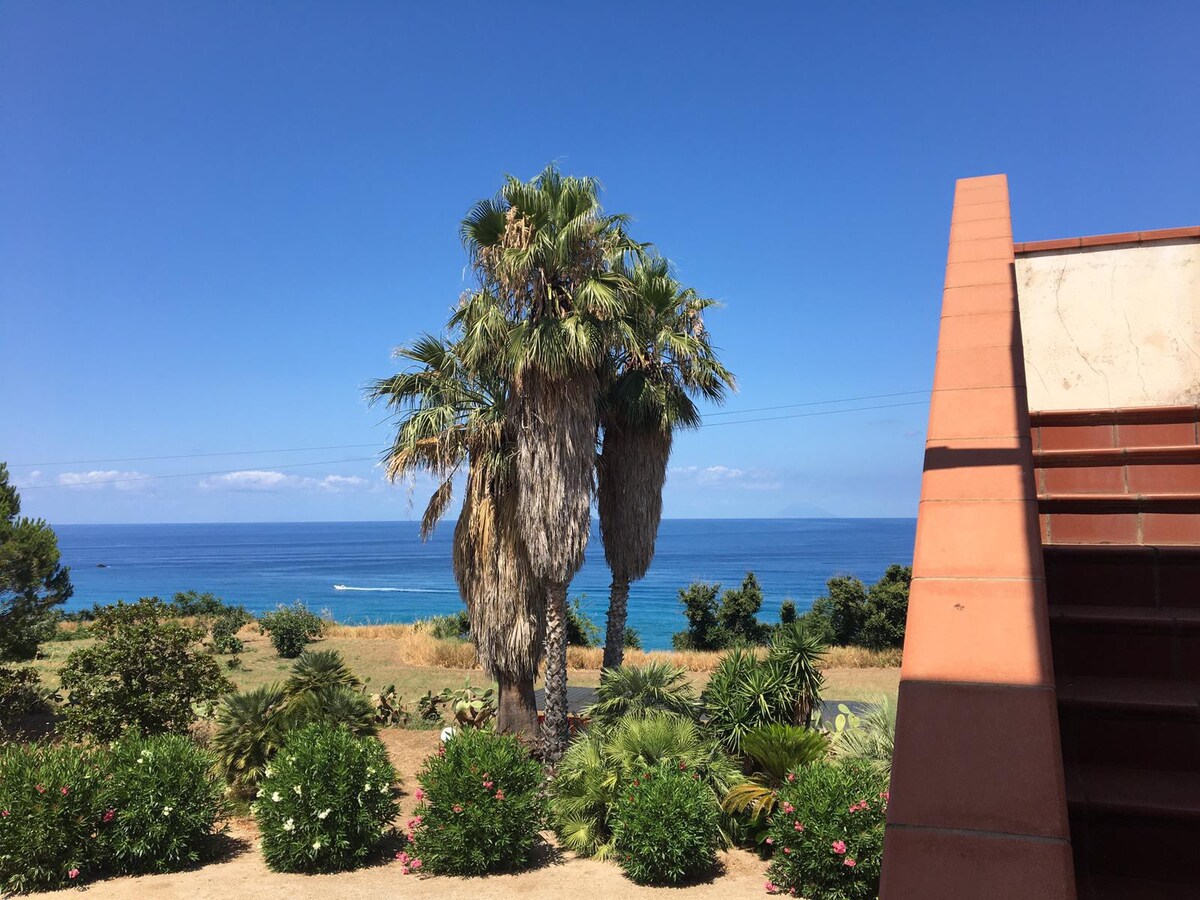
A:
{"x": 631, "y": 472}
{"x": 556, "y": 456}
{"x": 505, "y": 605}
{"x": 556, "y": 734}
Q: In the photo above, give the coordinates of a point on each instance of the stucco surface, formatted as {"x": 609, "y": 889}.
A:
{"x": 1108, "y": 327}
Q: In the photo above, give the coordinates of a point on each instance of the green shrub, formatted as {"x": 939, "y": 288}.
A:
{"x": 600, "y": 764}
{"x": 225, "y": 629}
{"x": 581, "y": 630}
{"x": 665, "y": 826}
{"x": 145, "y": 672}
{"x": 638, "y": 689}
{"x": 851, "y": 613}
{"x": 481, "y": 808}
{"x": 333, "y": 706}
{"x": 291, "y": 628}
{"x": 717, "y": 625}
{"x": 325, "y": 801}
{"x": 452, "y": 627}
{"x": 206, "y": 605}
{"x": 50, "y": 805}
{"x": 827, "y": 832}
{"x": 21, "y": 693}
{"x": 165, "y": 800}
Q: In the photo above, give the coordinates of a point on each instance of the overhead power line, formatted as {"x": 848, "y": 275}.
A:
{"x": 734, "y": 412}
{"x": 330, "y": 462}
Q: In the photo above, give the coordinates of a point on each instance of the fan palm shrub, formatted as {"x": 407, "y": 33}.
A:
{"x": 638, "y": 689}
{"x": 663, "y": 360}
{"x": 250, "y": 728}
{"x": 599, "y": 765}
{"x": 317, "y": 669}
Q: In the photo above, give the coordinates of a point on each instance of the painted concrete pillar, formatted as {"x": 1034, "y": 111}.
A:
{"x": 978, "y": 808}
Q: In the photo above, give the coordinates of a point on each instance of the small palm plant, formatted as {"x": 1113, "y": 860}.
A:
{"x": 317, "y": 669}
{"x": 775, "y": 750}
{"x": 639, "y": 689}
{"x": 334, "y": 705}
{"x": 250, "y": 728}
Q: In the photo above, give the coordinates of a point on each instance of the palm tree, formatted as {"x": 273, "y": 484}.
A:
{"x": 549, "y": 260}
{"x": 450, "y": 415}
{"x": 663, "y": 360}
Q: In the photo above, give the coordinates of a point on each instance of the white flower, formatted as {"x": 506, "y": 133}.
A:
{"x": 291, "y": 759}
{"x": 367, "y": 786}
{"x": 324, "y": 813}
{"x": 260, "y": 792}
{"x": 296, "y": 788}
{"x": 275, "y": 797}
{"x": 370, "y": 770}
{"x": 267, "y": 771}
{"x": 316, "y": 845}
{"x": 383, "y": 789}
{"x": 289, "y": 825}
{"x": 167, "y": 810}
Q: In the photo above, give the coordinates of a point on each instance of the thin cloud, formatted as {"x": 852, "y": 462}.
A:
{"x": 98, "y": 480}
{"x": 725, "y": 477}
{"x": 266, "y": 481}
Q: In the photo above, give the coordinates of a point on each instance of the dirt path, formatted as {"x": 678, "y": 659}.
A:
{"x": 242, "y": 872}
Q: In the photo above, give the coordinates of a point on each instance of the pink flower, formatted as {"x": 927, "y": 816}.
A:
{"x": 799, "y": 826}
{"x": 403, "y": 869}
{"x": 4, "y": 813}
{"x": 791, "y": 776}
{"x": 40, "y": 789}
{"x": 419, "y": 794}
{"x": 849, "y": 862}
{"x": 771, "y": 887}
{"x": 109, "y": 814}
{"x": 787, "y": 851}
{"x": 66, "y": 791}
{"x": 500, "y": 795}
{"x": 839, "y": 847}
{"x": 416, "y": 864}
{"x": 402, "y": 856}
{"x": 770, "y": 840}
{"x": 414, "y": 822}
{"x": 488, "y": 785}
{"x": 788, "y": 808}
{"x": 74, "y": 873}
{"x": 885, "y": 795}
{"x": 682, "y": 766}
{"x": 457, "y": 808}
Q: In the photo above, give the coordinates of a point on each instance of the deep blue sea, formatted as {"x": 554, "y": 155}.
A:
{"x": 392, "y": 576}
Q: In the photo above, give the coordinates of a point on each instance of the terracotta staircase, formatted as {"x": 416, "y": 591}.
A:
{"x": 1119, "y": 502}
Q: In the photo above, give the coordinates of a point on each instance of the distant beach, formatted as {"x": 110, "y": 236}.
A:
{"x": 382, "y": 572}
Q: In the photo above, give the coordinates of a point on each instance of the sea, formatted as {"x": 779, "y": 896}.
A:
{"x": 372, "y": 572}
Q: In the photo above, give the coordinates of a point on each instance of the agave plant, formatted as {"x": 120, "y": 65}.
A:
{"x": 595, "y": 768}
{"x": 639, "y": 689}
{"x": 775, "y": 751}
{"x": 317, "y": 669}
{"x": 250, "y": 728}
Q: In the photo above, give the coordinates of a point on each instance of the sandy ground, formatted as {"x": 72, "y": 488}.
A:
{"x": 241, "y": 872}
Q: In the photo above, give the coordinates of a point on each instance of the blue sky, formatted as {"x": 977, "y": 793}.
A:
{"x": 219, "y": 218}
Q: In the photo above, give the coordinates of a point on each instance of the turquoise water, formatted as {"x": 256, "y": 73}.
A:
{"x": 391, "y": 576}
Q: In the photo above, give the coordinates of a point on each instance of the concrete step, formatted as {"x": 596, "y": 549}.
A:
{"x": 1106, "y": 575}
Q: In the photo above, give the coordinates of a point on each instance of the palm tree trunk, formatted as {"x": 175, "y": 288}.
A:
{"x": 516, "y": 708}
{"x": 555, "y": 734}
{"x": 614, "y": 636}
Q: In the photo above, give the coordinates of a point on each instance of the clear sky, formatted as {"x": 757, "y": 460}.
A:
{"x": 217, "y": 219}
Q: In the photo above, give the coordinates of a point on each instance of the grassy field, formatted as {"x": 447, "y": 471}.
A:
{"x": 416, "y": 662}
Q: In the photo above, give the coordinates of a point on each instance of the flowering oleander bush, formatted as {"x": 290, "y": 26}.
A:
{"x": 827, "y": 832}
{"x": 325, "y": 800}
{"x": 50, "y": 812}
{"x": 665, "y": 826}
{"x": 291, "y": 628}
{"x": 162, "y": 799}
{"x": 481, "y": 809}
